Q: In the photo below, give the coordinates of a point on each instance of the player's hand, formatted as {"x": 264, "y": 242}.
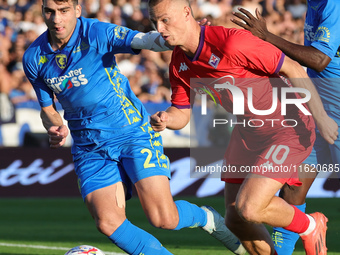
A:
{"x": 57, "y": 136}
{"x": 328, "y": 129}
{"x": 257, "y": 26}
{"x": 159, "y": 120}
{"x": 204, "y": 22}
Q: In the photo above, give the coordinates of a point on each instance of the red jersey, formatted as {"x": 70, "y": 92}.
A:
{"x": 229, "y": 53}
{"x": 244, "y": 61}
{"x": 223, "y": 52}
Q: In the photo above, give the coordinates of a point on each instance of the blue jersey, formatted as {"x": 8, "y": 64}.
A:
{"x": 96, "y": 98}
{"x": 322, "y": 32}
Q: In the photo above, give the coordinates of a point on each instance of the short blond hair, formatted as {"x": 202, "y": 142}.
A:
{"x": 152, "y": 3}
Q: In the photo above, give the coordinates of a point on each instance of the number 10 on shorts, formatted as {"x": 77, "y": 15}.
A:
{"x": 275, "y": 151}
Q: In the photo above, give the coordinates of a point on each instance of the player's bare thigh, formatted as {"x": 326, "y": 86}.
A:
{"x": 107, "y": 207}
{"x": 254, "y": 237}
{"x": 157, "y": 202}
{"x": 256, "y": 202}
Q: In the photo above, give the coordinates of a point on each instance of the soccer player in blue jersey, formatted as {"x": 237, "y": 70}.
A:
{"x": 114, "y": 145}
{"x": 321, "y": 55}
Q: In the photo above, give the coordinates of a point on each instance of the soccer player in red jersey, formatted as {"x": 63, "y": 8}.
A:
{"x": 235, "y": 58}
{"x": 320, "y": 54}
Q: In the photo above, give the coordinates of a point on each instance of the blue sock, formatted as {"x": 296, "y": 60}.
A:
{"x": 190, "y": 215}
{"x": 136, "y": 241}
{"x": 284, "y": 240}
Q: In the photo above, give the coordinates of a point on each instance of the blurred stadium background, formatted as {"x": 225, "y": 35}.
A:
{"x": 28, "y": 169}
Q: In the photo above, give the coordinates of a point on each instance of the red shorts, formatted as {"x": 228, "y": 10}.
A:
{"x": 277, "y": 157}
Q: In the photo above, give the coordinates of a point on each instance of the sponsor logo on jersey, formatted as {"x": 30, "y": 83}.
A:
{"x": 213, "y": 88}
{"x": 66, "y": 84}
{"x": 73, "y": 78}
{"x": 61, "y": 60}
{"x": 42, "y": 60}
{"x": 308, "y": 27}
{"x": 322, "y": 33}
{"x": 214, "y": 60}
{"x": 183, "y": 67}
{"x": 120, "y": 32}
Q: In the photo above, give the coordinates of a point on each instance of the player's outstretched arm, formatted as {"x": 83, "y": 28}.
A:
{"x": 150, "y": 41}
{"x": 154, "y": 41}
{"x": 306, "y": 55}
{"x": 298, "y": 77}
{"x": 172, "y": 118}
{"x": 54, "y": 125}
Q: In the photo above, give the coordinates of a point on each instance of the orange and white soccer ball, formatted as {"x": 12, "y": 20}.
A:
{"x": 84, "y": 249}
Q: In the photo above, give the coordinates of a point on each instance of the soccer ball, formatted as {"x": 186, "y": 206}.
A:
{"x": 84, "y": 249}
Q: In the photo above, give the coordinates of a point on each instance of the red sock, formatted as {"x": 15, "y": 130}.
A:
{"x": 299, "y": 223}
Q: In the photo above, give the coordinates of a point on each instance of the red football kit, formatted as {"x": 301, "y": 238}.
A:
{"x": 273, "y": 145}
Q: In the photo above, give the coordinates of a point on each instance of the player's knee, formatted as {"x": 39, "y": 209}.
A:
{"x": 248, "y": 213}
{"x": 163, "y": 220}
{"x": 233, "y": 221}
{"x": 107, "y": 226}
{"x": 104, "y": 227}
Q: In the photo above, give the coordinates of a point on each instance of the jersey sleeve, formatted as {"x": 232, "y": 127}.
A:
{"x": 113, "y": 38}
{"x": 180, "y": 93}
{"x": 327, "y": 36}
{"x": 44, "y": 94}
{"x": 250, "y": 52}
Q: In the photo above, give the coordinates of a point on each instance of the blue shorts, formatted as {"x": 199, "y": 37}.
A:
{"x": 127, "y": 158}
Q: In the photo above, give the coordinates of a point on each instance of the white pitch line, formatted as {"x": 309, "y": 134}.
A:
{"x": 49, "y": 248}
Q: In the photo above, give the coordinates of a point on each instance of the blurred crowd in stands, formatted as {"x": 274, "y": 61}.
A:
{"x": 21, "y": 23}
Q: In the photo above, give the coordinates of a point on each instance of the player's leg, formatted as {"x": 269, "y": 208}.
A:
{"x": 296, "y": 195}
{"x": 254, "y": 237}
{"x": 107, "y": 207}
{"x": 149, "y": 169}
{"x": 256, "y": 202}
{"x": 163, "y": 212}
{"x": 101, "y": 184}
{"x": 284, "y": 240}
{"x": 321, "y": 153}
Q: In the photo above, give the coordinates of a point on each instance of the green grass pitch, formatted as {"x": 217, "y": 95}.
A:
{"x": 51, "y": 226}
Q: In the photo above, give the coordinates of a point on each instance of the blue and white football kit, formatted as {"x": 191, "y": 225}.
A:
{"x": 112, "y": 138}
{"x": 321, "y": 32}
